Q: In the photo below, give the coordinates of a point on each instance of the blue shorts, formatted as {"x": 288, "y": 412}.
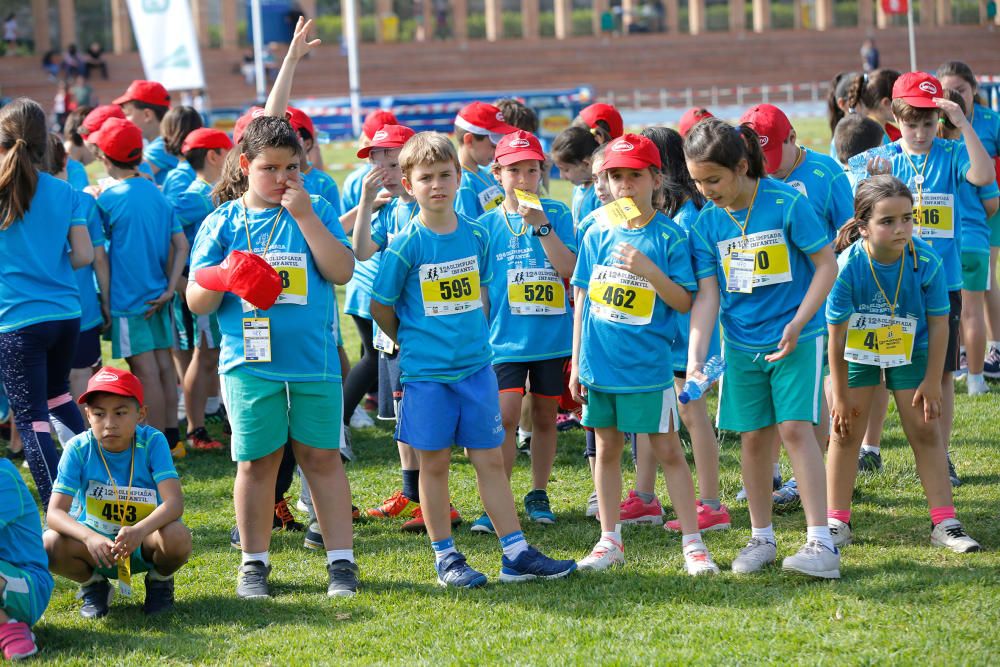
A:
{"x": 437, "y": 415}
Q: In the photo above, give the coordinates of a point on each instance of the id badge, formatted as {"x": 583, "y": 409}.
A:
{"x": 741, "y": 266}
{"x": 125, "y": 575}
{"x": 529, "y": 199}
{"x": 381, "y": 341}
{"x": 491, "y": 197}
{"x": 257, "y": 339}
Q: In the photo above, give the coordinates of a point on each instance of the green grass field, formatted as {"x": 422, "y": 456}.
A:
{"x": 900, "y": 601}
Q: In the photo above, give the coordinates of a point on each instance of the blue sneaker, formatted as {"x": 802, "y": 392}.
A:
{"x": 787, "y": 497}
{"x": 536, "y": 504}
{"x": 775, "y": 484}
{"x": 483, "y": 525}
{"x": 454, "y": 571}
{"x": 533, "y": 564}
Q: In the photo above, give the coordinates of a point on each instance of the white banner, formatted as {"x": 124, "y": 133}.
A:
{"x": 167, "y": 43}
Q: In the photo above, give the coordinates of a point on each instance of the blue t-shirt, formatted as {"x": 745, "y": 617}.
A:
{"x": 824, "y": 183}
{"x": 138, "y": 223}
{"x": 584, "y": 201}
{"x": 975, "y": 228}
{"x": 304, "y": 322}
{"x": 155, "y": 153}
{"x": 583, "y": 226}
{"x": 36, "y": 279}
{"x": 318, "y": 182}
{"x": 76, "y": 174}
{"x": 986, "y": 123}
{"x": 531, "y": 327}
{"x": 783, "y": 231}
{"x": 627, "y": 328}
{"x": 21, "y": 533}
{"x": 477, "y": 191}
{"x": 685, "y": 219}
{"x": 435, "y": 282}
{"x": 351, "y": 194}
{"x": 192, "y": 207}
{"x": 90, "y": 304}
{"x": 922, "y": 292}
{"x": 177, "y": 180}
{"x": 83, "y": 477}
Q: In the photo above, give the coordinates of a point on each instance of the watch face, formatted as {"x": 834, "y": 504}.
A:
{"x": 544, "y": 230}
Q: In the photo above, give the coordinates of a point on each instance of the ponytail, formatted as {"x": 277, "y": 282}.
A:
{"x": 24, "y": 135}
{"x": 232, "y": 184}
{"x": 840, "y": 88}
{"x": 713, "y": 140}
{"x": 848, "y": 234}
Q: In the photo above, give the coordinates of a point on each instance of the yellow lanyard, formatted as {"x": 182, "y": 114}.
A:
{"x": 111, "y": 479}
{"x": 899, "y": 282}
{"x": 524, "y": 227}
{"x": 746, "y": 223}
{"x": 246, "y": 226}
{"x": 798, "y": 160}
{"x": 647, "y": 221}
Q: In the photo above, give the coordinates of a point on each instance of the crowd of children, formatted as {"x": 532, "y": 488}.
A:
{"x": 487, "y": 312}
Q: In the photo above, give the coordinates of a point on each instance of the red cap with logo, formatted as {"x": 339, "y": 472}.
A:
{"x": 119, "y": 139}
{"x": 484, "y": 120}
{"x": 917, "y": 89}
{"x": 376, "y": 120}
{"x": 147, "y": 92}
{"x": 606, "y": 112}
{"x": 772, "y": 126}
{"x": 113, "y": 381}
{"x": 631, "y": 151}
{"x": 518, "y": 146}
{"x": 692, "y": 117}
{"x": 390, "y": 136}
{"x": 241, "y": 123}
{"x": 92, "y": 121}
{"x": 206, "y": 137}
{"x": 244, "y": 274}
{"x": 300, "y": 120}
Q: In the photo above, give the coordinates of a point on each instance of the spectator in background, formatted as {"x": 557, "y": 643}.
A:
{"x": 10, "y": 33}
{"x": 51, "y": 63}
{"x": 72, "y": 63}
{"x": 441, "y": 29}
{"x": 95, "y": 60}
{"x": 869, "y": 55}
{"x": 61, "y": 103}
{"x": 991, "y": 14}
{"x": 83, "y": 94}
{"x": 247, "y": 67}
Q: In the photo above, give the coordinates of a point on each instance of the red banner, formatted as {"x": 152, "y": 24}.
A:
{"x": 894, "y": 6}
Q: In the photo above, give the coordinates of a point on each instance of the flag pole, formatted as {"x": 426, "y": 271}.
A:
{"x": 258, "y": 51}
{"x": 913, "y": 43}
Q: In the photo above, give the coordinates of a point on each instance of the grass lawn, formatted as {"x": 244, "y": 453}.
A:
{"x": 900, "y": 600}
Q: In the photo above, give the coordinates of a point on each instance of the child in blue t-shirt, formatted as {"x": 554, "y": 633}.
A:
{"x": 887, "y": 317}
{"x": 478, "y": 128}
{"x": 430, "y": 297}
{"x": 116, "y": 505}
{"x": 175, "y": 127}
{"x": 572, "y": 152}
{"x": 351, "y": 193}
{"x": 316, "y": 181}
{"x": 145, "y": 103}
{"x": 761, "y": 253}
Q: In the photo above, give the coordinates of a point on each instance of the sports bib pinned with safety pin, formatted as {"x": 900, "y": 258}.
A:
{"x": 617, "y": 295}
{"x": 538, "y": 291}
{"x": 451, "y": 287}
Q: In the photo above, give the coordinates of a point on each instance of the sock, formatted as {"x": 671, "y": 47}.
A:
{"x": 839, "y": 515}
{"x": 776, "y": 471}
{"x": 765, "y": 533}
{"x": 442, "y": 548}
{"x": 94, "y": 578}
{"x": 975, "y": 377}
{"x": 874, "y": 449}
{"x": 411, "y": 484}
{"x": 513, "y": 545}
{"x": 263, "y": 557}
{"x": 339, "y": 554}
{"x": 156, "y": 576}
{"x": 688, "y": 540}
{"x": 522, "y": 434}
{"x": 645, "y": 497}
{"x": 212, "y": 405}
{"x": 615, "y": 535}
{"x": 822, "y": 534}
{"x": 713, "y": 503}
{"x": 939, "y": 514}
{"x": 173, "y": 435}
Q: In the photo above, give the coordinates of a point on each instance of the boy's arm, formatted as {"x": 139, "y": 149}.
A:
{"x": 130, "y": 538}
{"x": 562, "y": 259}
{"x": 819, "y": 288}
{"x": 277, "y": 101}
{"x": 334, "y": 260}
{"x": 102, "y": 271}
{"x": 980, "y": 164}
{"x": 991, "y": 206}
{"x": 364, "y": 247}
{"x": 59, "y": 520}
{"x": 386, "y": 319}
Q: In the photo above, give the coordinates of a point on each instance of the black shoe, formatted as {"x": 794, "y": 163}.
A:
{"x": 159, "y": 595}
{"x": 314, "y": 538}
{"x": 96, "y": 598}
{"x": 234, "y": 538}
{"x": 870, "y": 462}
{"x": 952, "y": 475}
{"x": 343, "y": 578}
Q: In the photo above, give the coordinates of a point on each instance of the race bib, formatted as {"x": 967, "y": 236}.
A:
{"x": 451, "y": 287}
{"x": 880, "y": 340}
{"x": 535, "y": 292}
{"x": 800, "y": 186}
{"x": 491, "y": 197}
{"x": 291, "y": 267}
{"x": 106, "y": 516}
{"x": 619, "y": 296}
{"x": 935, "y": 217}
{"x": 771, "y": 262}
{"x": 739, "y": 274}
{"x": 257, "y": 339}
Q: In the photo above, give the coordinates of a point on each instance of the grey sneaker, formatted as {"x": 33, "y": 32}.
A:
{"x": 949, "y": 533}
{"x": 757, "y": 554}
{"x": 952, "y": 475}
{"x": 814, "y": 560}
{"x": 592, "y": 504}
{"x": 252, "y": 581}
{"x": 346, "y": 450}
{"x": 841, "y": 532}
{"x": 870, "y": 462}
{"x": 343, "y": 578}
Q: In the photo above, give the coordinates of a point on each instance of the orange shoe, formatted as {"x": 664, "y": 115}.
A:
{"x": 284, "y": 519}
{"x": 416, "y": 524}
{"x": 395, "y": 505}
{"x": 201, "y": 440}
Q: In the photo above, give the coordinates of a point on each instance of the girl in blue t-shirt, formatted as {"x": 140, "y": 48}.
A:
{"x": 763, "y": 259}
{"x": 896, "y": 331}
{"x": 39, "y": 298}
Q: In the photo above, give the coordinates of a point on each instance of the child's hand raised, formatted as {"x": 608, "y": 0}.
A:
{"x": 371, "y": 184}
{"x": 952, "y": 111}
{"x": 295, "y": 199}
{"x": 301, "y": 45}
{"x": 633, "y": 261}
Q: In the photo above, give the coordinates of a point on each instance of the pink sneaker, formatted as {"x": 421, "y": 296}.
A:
{"x": 708, "y": 519}
{"x": 17, "y": 641}
{"x": 634, "y": 511}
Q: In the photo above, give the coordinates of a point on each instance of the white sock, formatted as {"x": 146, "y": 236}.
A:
{"x": 263, "y": 557}
{"x": 693, "y": 538}
{"x": 765, "y": 533}
{"x": 513, "y": 545}
{"x": 443, "y": 548}
{"x": 94, "y": 578}
{"x": 615, "y": 534}
{"x": 822, "y": 534}
{"x": 212, "y": 404}
{"x": 522, "y": 434}
{"x": 156, "y": 576}
{"x": 339, "y": 554}
{"x": 875, "y": 449}
{"x": 777, "y": 470}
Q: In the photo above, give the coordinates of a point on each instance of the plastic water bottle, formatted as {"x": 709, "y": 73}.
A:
{"x": 858, "y": 165}
{"x": 695, "y": 389}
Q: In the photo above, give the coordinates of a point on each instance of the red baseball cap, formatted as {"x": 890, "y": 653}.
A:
{"x": 119, "y": 139}
{"x": 390, "y": 136}
{"x": 772, "y": 126}
{"x": 147, "y": 92}
{"x": 376, "y": 120}
{"x": 484, "y": 120}
{"x": 917, "y": 89}
{"x": 92, "y": 121}
{"x": 113, "y": 381}
{"x": 518, "y": 146}
{"x": 606, "y": 112}
{"x": 206, "y": 137}
{"x": 244, "y": 274}
{"x": 241, "y": 123}
{"x": 300, "y": 120}
{"x": 692, "y": 117}
{"x": 631, "y": 151}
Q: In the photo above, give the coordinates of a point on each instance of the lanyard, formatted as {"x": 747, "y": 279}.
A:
{"x": 131, "y": 476}
{"x": 506, "y": 219}
{"x": 798, "y": 160}
{"x": 646, "y": 222}
{"x": 478, "y": 176}
{"x": 899, "y": 282}
{"x": 246, "y": 226}
{"x": 746, "y": 223}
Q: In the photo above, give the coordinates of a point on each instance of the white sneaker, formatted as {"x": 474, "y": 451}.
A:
{"x": 698, "y": 561}
{"x": 361, "y": 419}
{"x": 976, "y": 385}
{"x": 592, "y": 504}
{"x": 814, "y": 560}
{"x": 949, "y": 533}
{"x": 755, "y": 556}
{"x": 606, "y": 553}
{"x": 841, "y": 532}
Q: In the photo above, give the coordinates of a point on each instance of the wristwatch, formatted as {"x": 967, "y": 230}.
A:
{"x": 544, "y": 230}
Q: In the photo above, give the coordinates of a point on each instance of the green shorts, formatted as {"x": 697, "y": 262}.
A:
{"x": 756, "y": 393}
{"x": 131, "y": 336}
{"x": 994, "y": 224}
{"x": 645, "y": 412}
{"x": 265, "y": 413}
{"x": 139, "y": 565}
{"x": 899, "y": 377}
{"x": 975, "y": 271}
{"x": 25, "y": 595}
{"x": 183, "y": 323}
